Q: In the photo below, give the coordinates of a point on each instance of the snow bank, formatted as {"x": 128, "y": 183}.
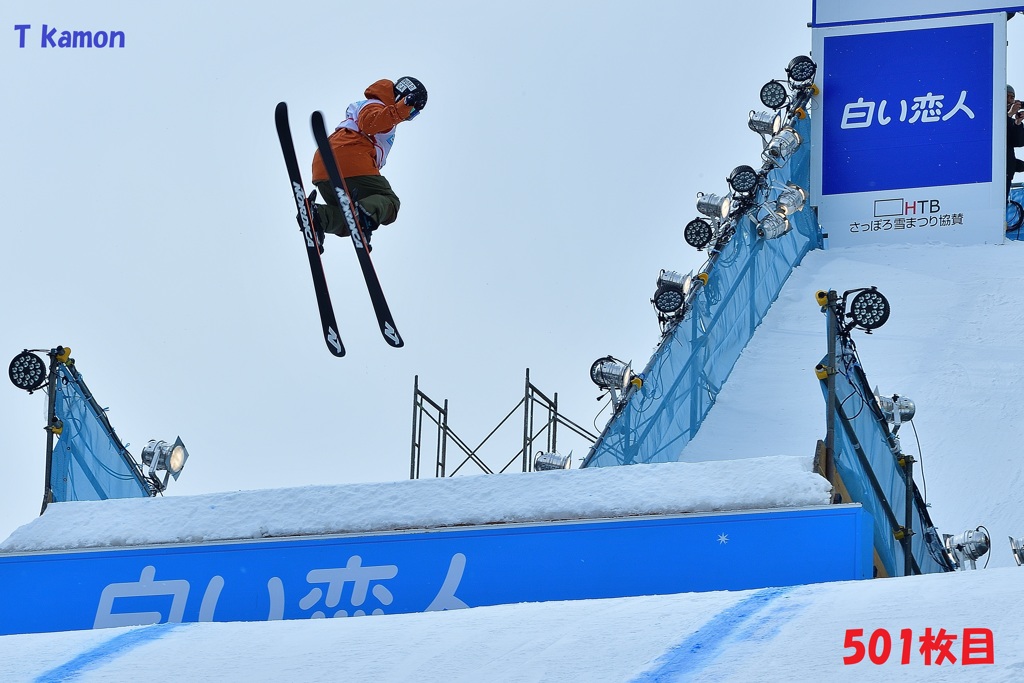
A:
{"x": 669, "y": 488}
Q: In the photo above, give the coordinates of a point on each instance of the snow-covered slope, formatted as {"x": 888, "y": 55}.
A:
{"x": 794, "y": 634}
{"x": 953, "y": 344}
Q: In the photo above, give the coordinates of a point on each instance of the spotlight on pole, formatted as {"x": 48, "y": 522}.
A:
{"x": 801, "y": 70}
{"x": 551, "y": 461}
{"x": 1017, "y": 547}
{"x": 869, "y": 309}
{"x": 772, "y": 226}
{"x": 774, "y": 95}
{"x": 895, "y": 409}
{"x": 698, "y": 233}
{"x": 670, "y": 295}
{"x": 967, "y": 548}
{"x": 765, "y": 122}
{"x": 743, "y": 180}
{"x": 790, "y": 200}
{"x": 159, "y": 456}
{"x": 781, "y": 147}
{"x": 713, "y": 206}
{"x": 610, "y": 373}
{"x": 27, "y": 371}
{"x": 613, "y": 375}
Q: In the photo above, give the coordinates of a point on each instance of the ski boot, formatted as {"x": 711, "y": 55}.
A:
{"x": 368, "y": 223}
{"x": 314, "y": 219}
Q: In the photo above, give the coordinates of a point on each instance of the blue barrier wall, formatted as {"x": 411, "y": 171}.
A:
{"x": 401, "y": 572}
{"x": 89, "y": 462}
{"x": 859, "y": 410}
{"x": 695, "y": 357}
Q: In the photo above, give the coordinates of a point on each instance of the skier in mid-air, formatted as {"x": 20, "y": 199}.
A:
{"x": 361, "y": 144}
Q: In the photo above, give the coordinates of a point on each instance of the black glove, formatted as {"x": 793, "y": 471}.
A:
{"x": 417, "y": 99}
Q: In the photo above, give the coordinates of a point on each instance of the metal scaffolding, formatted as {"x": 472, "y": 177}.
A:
{"x": 540, "y": 430}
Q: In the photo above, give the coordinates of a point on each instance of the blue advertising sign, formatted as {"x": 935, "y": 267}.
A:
{"x": 907, "y": 109}
{"x": 402, "y": 572}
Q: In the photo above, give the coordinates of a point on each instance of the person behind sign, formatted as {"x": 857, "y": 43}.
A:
{"x": 1014, "y": 136}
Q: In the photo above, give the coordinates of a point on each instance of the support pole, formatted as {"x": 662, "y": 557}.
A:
{"x": 908, "y": 524}
{"x": 51, "y": 420}
{"x": 830, "y": 384}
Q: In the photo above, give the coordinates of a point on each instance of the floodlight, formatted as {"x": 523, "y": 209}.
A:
{"x": 667, "y": 299}
{"x": 896, "y": 409}
{"x": 969, "y": 546}
{"x": 869, "y": 309}
{"x": 1017, "y": 547}
{"x": 551, "y": 461}
{"x": 774, "y": 94}
{"x": 781, "y": 147}
{"x": 801, "y": 70}
{"x": 773, "y": 226}
{"x": 713, "y": 206}
{"x": 790, "y": 200}
{"x": 27, "y": 371}
{"x": 670, "y": 295}
{"x": 698, "y": 233}
{"x": 765, "y": 122}
{"x": 743, "y": 180}
{"x": 161, "y": 456}
{"x": 610, "y": 373}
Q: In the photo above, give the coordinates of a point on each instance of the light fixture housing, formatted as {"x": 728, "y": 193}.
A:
{"x": 698, "y": 233}
{"x": 27, "y": 371}
{"x": 801, "y": 70}
{"x": 713, "y": 206}
{"x": 970, "y": 546}
{"x": 781, "y": 147}
{"x": 670, "y": 296}
{"x": 551, "y": 461}
{"x": 765, "y": 122}
{"x": 161, "y": 456}
{"x": 743, "y": 180}
{"x": 773, "y": 226}
{"x": 1017, "y": 548}
{"x": 790, "y": 200}
{"x": 610, "y": 373}
{"x": 896, "y": 409}
{"x": 869, "y": 309}
{"x": 774, "y": 95}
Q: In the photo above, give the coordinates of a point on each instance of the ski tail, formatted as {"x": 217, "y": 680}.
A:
{"x": 385, "y": 320}
{"x": 303, "y": 216}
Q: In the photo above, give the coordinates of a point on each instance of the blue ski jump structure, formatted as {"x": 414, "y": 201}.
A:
{"x": 656, "y": 417}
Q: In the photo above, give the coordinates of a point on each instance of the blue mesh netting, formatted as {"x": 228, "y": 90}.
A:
{"x": 872, "y": 434}
{"x": 89, "y": 462}
{"x": 1015, "y": 213}
{"x": 695, "y": 357}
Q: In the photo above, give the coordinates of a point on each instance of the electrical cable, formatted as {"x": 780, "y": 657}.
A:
{"x": 920, "y": 459}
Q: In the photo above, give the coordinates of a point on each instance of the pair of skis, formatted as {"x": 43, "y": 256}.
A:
{"x": 304, "y": 217}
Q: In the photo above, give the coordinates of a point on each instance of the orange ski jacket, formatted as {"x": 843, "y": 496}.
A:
{"x": 356, "y": 152}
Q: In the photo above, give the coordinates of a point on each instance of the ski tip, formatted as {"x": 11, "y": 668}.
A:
{"x": 391, "y": 335}
{"x": 334, "y": 344}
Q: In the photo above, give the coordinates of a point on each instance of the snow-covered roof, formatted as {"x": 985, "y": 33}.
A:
{"x": 593, "y": 493}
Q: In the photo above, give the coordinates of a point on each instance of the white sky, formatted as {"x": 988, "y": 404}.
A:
{"x": 148, "y": 224}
